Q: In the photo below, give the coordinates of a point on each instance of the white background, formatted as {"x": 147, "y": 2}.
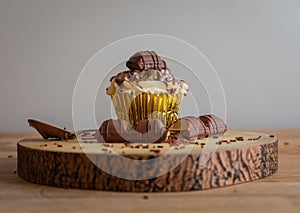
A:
{"x": 254, "y": 46}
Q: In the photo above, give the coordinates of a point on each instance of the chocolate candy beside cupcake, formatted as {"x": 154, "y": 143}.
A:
{"x": 188, "y": 128}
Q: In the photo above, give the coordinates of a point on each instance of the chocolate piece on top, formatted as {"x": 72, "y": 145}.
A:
{"x": 49, "y": 131}
{"x": 192, "y": 128}
{"x": 144, "y": 60}
{"x": 120, "y": 131}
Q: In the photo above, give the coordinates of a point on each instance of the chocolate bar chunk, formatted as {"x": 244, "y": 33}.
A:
{"x": 120, "y": 131}
{"x": 49, "y": 131}
{"x": 144, "y": 60}
{"x": 213, "y": 125}
{"x": 189, "y": 127}
{"x": 192, "y": 128}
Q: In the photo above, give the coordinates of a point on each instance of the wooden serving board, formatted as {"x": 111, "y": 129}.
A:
{"x": 234, "y": 158}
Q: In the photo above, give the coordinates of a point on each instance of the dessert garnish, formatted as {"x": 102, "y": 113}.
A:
{"x": 119, "y": 131}
{"x": 153, "y": 131}
{"x": 50, "y": 131}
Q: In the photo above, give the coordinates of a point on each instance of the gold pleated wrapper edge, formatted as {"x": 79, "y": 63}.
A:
{"x": 145, "y": 106}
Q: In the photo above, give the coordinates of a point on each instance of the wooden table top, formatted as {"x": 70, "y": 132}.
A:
{"x": 277, "y": 193}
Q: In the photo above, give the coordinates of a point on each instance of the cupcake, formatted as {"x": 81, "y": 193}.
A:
{"x": 148, "y": 90}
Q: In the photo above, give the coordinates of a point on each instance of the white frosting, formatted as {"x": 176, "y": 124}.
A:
{"x": 153, "y": 81}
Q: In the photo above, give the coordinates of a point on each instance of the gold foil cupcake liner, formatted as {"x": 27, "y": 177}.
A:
{"x": 142, "y": 106}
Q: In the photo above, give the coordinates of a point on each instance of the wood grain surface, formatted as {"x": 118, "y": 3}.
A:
{"x": 187, "y": 167}
{"x": 277, "y": 193}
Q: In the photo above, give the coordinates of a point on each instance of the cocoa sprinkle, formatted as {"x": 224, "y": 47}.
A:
{"x": 145, "y": 146}
{"x": 240, "y": 138}
{"x": 155, "y": 150}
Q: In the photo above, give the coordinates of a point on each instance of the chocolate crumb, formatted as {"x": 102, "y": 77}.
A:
{"x": 250, "y": 139}
{"x": 286, "y": 143}
{"x": 159, "y": 146}
{"x": 145, "y": 197}
{"x": 232, "y": 140}
{"x": 202, "y": 144}
{"x": 10, "y": 156}
{"x": 197, "y": 143}
{"x": 15, "y": 172}
{"x": 240, "y": 138}
{"x": 59, "y": 145}
{"x": 73, "y": 147}
{"x": 145, "y": 146}
{"x": 155, "y": 150}
{"x": 137, "y": 146}
{"x": 257, "y": 138}
{"x": 272, "y": 136}
{"x": 45, "y": 144}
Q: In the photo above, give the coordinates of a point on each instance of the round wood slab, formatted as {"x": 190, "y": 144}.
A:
{"x": 234, "y": 158}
